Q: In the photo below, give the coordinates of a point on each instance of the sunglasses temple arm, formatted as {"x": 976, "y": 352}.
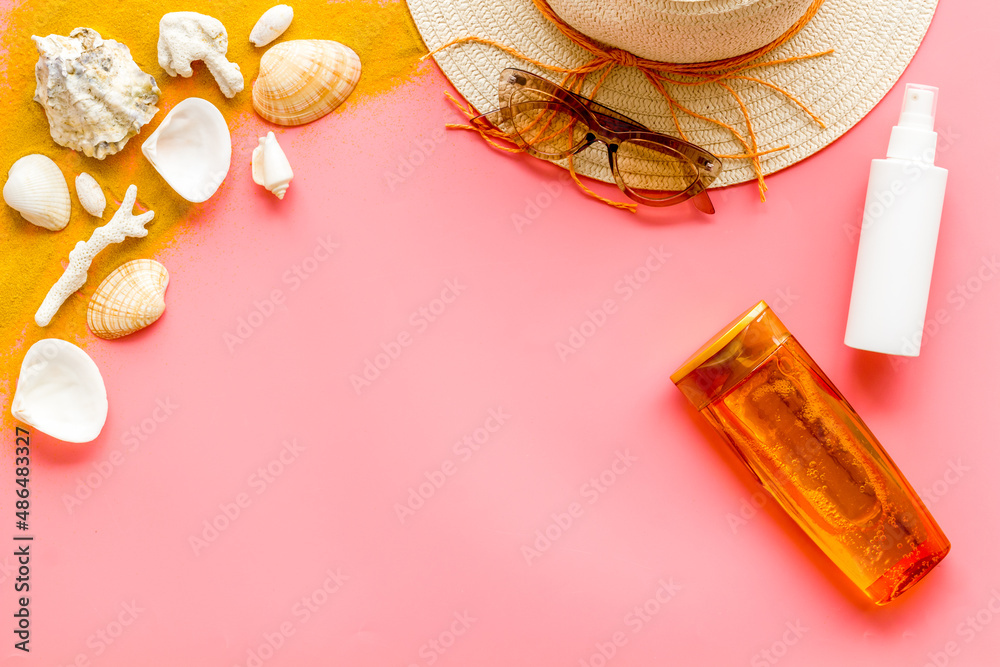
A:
{"x": 703, "y": 203}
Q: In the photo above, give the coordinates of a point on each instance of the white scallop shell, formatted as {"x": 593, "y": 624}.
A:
{"x": 90, "y": 194}
{"x": 60, "y": 392}
{"x": 271, "y": 24}
{"x": 94, "y": 95}
{"x": 191, "y": 149}
{"x": 303, "y": 80}
{"x": 129, "y": 299}
{"x": 37, "y": 190}
{"x": 269, "y": 166}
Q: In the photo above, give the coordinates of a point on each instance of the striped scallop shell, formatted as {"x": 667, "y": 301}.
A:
{"x": 303, "y": 80}
{"x": 130, "y": 298}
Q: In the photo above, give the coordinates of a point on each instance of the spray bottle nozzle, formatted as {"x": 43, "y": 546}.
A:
{"x": 919, "y": 107}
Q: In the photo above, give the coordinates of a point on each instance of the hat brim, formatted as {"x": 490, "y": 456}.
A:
{"x": 872, "y": 42}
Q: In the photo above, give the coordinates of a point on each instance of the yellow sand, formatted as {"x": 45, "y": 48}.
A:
{"x": 33, "y": 258}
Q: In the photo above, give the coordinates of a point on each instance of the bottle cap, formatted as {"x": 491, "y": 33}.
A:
{"x": 730, "y": 355}
{"x": 919, "y": 107}
{"x": 914, "y": 138}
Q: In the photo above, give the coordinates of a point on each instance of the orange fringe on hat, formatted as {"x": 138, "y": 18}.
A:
{"x": 659, "y": 73}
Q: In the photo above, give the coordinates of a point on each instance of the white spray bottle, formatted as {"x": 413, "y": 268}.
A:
{"x": 899, "y": 232}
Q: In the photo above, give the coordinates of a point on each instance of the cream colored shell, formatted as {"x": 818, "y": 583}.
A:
{"x": 271, "y": 24}
{"x": 37, "y": 189}
{"x": 90, "y": 194}
{"x": 303, "y": 80}
{"x": 129, "y": 299}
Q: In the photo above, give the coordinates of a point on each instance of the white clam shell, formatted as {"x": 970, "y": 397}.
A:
{"x": 191, "y": 149}
{"x": 60, "y": 392}
{"x": 271, "y": 24}
{"x": 269, "y": 166}
{"x": 129, "y": 299}
{"x": 90, "y": 194}
{"x": 94, "y": 95}
{"x": 37, "y": 190}
{"x": 303, "y": 80}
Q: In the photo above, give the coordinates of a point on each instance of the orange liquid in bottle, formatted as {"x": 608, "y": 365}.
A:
{"x": 813, "y": 453}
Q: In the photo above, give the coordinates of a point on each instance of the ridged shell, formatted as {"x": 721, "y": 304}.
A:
{"x": 129, "y": 299}
{"x": 60, "y": 392}
{"x": 303, "y": 80}
{"x": 37, "y": 190}
{"x": 90, "y": 194}
{"x": 94, "y": 94}
{"x": 271, "y": 24}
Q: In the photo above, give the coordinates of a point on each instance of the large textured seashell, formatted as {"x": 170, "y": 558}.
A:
{"x": 129, "y": 299}
{"x": 60, "y": 392}
{"x": 269, "y": 166}
{"x": 303, "y": 80}
{"x": 271, "y": 24}
{"x": 90, "y": 194}
{"x": 37, "y": 190}
{"x": 191, "y": 149}
{"x": 94, "y": 95}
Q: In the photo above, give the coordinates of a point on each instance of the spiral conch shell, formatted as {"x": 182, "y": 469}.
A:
{"x": 37, "y": 190}
{"x": 129, "y": 299}
{"x": 269, "y": 166}
{"x": 303, "y": 80}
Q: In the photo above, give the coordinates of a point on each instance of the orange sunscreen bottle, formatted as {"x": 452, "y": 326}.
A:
{"x": 811, "y": 451}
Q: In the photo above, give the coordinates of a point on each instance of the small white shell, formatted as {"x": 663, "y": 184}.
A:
{"x": 60, "y": 392}
{"x": 271, "y": 24}
{"x": 191, "y": 149}
{"x": 269, "y": 166}
{"x": 37, "y": 190}
{"x": 90, "y": 194}
{"x": 129, "y": 299}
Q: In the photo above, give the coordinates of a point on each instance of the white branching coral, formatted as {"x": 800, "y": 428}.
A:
{"x": 189, "y": 36}
{"x": 123, "y": 224}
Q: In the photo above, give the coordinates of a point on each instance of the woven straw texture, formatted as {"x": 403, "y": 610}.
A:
{"x": 873, "y": 40}
{"x": 682, "y": 31}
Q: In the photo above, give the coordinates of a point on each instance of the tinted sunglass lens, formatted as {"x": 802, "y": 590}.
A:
{"x": 544, "y": 123}
{"x": 654, "y": 171}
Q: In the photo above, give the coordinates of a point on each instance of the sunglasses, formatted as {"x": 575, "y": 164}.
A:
{"x": 553, "y": 123}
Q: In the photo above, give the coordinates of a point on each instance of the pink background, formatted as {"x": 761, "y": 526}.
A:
{"x": 117, "y": 580}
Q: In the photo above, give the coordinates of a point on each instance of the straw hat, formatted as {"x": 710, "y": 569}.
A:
{"x": 872, "y": 42}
